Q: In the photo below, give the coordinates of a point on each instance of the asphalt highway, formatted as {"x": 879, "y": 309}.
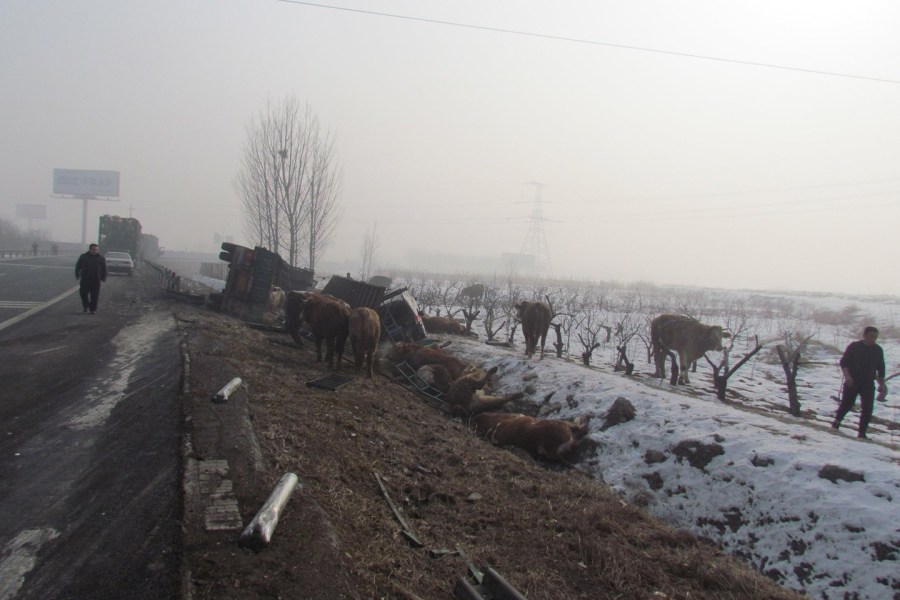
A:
{"x": 90, "y": 432}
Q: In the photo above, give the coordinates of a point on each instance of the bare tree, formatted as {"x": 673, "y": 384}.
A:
{"x": 589, "y": 336}
{"x": 368, "y": 250}
{"x": 324, "y": 209}
{"x": 289, "y": 181}
{"x": 492, "y": 302}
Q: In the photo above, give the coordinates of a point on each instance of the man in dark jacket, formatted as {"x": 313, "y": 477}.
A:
{"x": 91, "y": 271}
{"x": 862, "y": 364}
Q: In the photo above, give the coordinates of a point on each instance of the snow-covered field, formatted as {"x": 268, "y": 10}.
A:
{"x": 817, "y": 510}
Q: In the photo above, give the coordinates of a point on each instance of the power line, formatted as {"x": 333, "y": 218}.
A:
{"x": 593, "y": 42}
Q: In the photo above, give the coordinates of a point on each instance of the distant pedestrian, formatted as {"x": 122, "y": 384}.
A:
{"x": 34, "y": 249}
{"x": 91, "y": 271}
{"x": 862, "y": 365}
{"x": 54, "y": 249}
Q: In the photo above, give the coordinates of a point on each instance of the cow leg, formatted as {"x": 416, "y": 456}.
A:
{"x": 543, "y": 341}
{"x": 329, "y": 351}
{"x": 358, "y": 353}
{"x": 658, "y": 361}
{"x": 685, "y": 366}
{"x": 318, "y": 349}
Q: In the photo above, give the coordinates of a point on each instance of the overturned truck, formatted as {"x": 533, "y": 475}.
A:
{"x": 397, "y": 308}
{"x": 253, "y": 272}
{"x": 251, "y": 275}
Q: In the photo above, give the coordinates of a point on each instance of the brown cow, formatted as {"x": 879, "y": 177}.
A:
{"x": 442, "y": 325}
{"x": 466, "y": 393}
{"x": 535, "y": 318}
{"x": 325, "y": 316}
{"x": 690, "y": 338}
{"x": 552, "y": 438}
{"x": 418, "y": 356}
{"x": 437, "y": 376}
{"x": 365, "y": 330}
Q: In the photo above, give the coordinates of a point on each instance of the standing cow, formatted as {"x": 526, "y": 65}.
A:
{"x": 690, "y": 338}
{"x": 535, "y": 318}
{"x": 365, "y": 329}
{"x": 326, "y": 317}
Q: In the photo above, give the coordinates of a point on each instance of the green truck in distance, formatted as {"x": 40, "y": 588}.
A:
{"x": 120, "y": 234}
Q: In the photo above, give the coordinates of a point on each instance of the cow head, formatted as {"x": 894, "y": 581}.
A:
{"x": 401, "y": 351}
{"x": 716, "y": 334}
{"x": 520, "y": 309}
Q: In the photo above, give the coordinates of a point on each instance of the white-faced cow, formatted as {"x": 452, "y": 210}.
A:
{"x": 418, "y": 356}
{"x": 535, "y": 318}
{"x": 690, "y": 338}
{"x": 466, "y": 394}
{"x": 551, "y": 438}
{"x": 365, "y": 329}
{"x": 326, "y": 317}
{"x": 437, "y": 376}
{"x": 275, "y": 304}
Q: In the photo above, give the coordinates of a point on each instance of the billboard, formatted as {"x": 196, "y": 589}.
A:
{"x": 77, "y": 182}
{"x": 31, "y": 211}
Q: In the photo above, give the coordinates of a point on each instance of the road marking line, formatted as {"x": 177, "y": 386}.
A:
{"x": 17, "y": 304}
{"x": 54, "y": 349}
{"x": 36, "y": 309}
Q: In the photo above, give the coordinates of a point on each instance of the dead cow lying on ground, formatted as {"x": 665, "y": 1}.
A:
{"x": 535, "y": 318}
{"x": 325, "y": 316}
{"x": 466, "y": 394}
{"x": 417, "y": 356}
{"x": 690, "y": 338}
{"x": 551, "y": 438}
{"x": 364, "y": 331}
{"x": 442, "y": 325}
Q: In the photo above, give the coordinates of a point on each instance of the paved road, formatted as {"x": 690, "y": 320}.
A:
{"x": 90, "y": 505}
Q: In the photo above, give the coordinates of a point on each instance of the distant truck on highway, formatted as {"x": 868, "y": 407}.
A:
{"x": 120, "y": 234}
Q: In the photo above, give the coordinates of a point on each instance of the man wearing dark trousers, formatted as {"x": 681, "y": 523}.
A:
{"x": 862, "y": 364}
{"x": 91, "y": 271}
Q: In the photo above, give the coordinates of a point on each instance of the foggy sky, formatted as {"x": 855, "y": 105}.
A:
{"x": 657, "y": 166}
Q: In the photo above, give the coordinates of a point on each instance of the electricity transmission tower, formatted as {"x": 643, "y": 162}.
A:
{"x": 536, "y": 240}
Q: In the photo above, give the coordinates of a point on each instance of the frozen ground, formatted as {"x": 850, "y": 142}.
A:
{"x": 817, "y": 510}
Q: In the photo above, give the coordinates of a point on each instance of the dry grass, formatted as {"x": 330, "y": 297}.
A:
{"x": 553, "y": 534}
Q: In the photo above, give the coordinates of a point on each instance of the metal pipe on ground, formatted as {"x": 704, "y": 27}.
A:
{"x": 222, "y": 395}
{"x": 258, "y": 533}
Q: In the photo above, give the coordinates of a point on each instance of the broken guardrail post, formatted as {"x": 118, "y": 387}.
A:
{"x": 259, "y": 532}
{"x": 222, "y": 395}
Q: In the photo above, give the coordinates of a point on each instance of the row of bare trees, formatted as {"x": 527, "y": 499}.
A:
{"x": 589, "y": 317}
{"x": 290, "y": 182}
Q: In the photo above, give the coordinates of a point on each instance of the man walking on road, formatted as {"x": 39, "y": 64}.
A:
{"x": 862, "y": 364}
{"x": 91, "y": 271}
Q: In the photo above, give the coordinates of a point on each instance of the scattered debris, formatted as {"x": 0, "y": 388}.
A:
{"x": 406, "y": 529}
{"x": 222, "y": 395}
{"x": 833, "y": 473}
{"x": 259, "y": 532}
{"x": 491, "y": 586}
{"x": 330, "y": 382}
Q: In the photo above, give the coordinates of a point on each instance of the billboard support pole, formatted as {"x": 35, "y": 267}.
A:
{"x": 84, "y": 201}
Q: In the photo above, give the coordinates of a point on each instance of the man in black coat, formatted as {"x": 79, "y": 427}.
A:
{"x": 91, "y": 271}
{"x": 862, "y": 364}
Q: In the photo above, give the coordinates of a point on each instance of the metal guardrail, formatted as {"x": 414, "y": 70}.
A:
{"x": 168, "y": 278}
{"x": 28, "y": 253}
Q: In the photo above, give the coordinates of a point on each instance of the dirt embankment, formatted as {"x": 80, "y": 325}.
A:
{"x": 552, "y": 533}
